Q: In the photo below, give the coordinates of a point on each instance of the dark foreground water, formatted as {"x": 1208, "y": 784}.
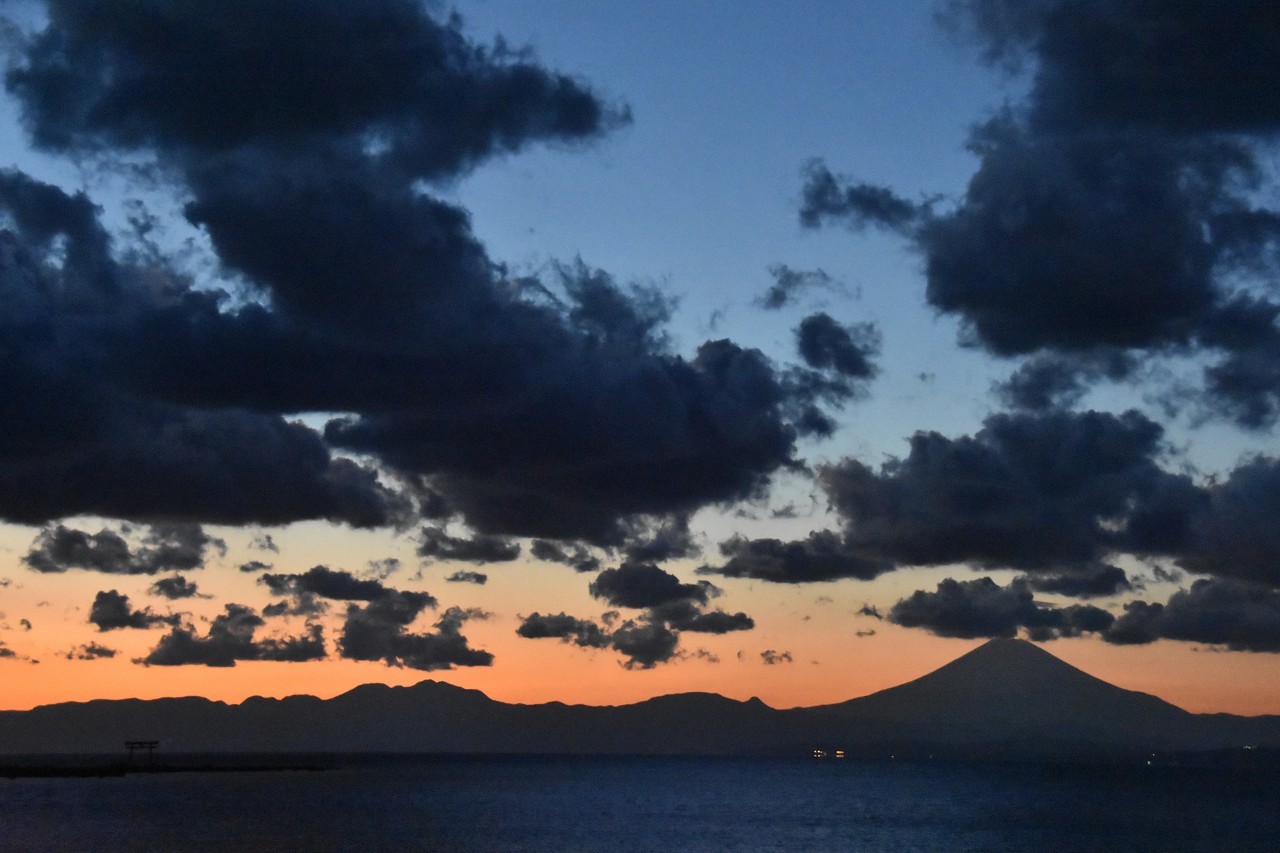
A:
{"x": 649, "y": 804}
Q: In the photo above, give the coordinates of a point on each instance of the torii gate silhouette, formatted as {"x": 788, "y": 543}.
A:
{"x": 148, "y": 745}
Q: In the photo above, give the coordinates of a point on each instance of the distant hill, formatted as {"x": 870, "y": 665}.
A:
{"x": 1008, "y": 698}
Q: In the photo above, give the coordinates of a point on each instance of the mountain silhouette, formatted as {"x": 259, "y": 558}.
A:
{"x": 1007, "y": 698}
{"x": 1012, "y": 694}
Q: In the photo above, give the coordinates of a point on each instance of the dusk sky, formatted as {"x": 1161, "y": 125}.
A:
{"x": 593, "y": 351}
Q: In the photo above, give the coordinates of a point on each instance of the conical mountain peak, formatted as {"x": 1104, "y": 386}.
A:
{"x": 1012, "y": 654}
{"x": 1008, "y": 688}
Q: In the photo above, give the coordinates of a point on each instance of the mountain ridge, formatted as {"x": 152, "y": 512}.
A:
{"x": 1005, "y": 698}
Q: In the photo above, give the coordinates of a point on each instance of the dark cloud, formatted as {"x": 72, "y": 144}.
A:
{"x": 306, "y": 591}
{"x": 1038, "y": 492}
{"x": 1182, "y": 68}
{"x": 645, "y": 644}
{"x": 630, "y": 414}
{"x": 685, "y": 615}
{"x": 111, "y": 610}
{"x": 468, "y": 577}
{"x": 327, "y": 583}
{"x": 6, "y": 652}
{"x": 264, "y": 542}
{"x": 1057, "y": 381}
{"x": 231, "y": 638}
{"x": 576, "y": 556}
{"x": 982, "y": 608}
{"x": 165, "y": 547}
{"x": 1088, "y": 582}
{"x": 1232, "y": 529}
{"x": 384, "y": 568}
{"x": 789, "y": 283}
{"x": 436, "y": 103}
{"x": 771, "y": 657}
{"x": 1240, "y": 616}
{"x": 870, "y": 610}
{"x": 840, "y": 365}
{"x": 581, "y": 632}
{"x": 91, "y": 651}
{"x": 379, "y": 631}
{"x": 828, "y": 198}
{"x": 1245, "y": 385}
{"x": 1078, "y": 244}
{"x": 1055, "y": 494}
{"x": 657, "y": 543}
{"x": 1117, "y": 208}
{"x": 669, "y": 606}
{"x": 175, "y": 587}
{"x": 848, "y": 351}
{"x": 86, "y": 437}
{"x": 823, "y": 556}
{"x": 24, "y": 624}
{"x": 435, "y": 544}
{"x": 255, "y": 566}
{"x": 479, "y": 395}
{"x": 644, "y": 585}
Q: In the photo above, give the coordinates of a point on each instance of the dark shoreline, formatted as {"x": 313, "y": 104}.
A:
{"x": 89, "y": 769}
{"x": 90, "y": 765}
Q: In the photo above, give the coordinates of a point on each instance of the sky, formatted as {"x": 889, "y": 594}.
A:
{"x": 590, "y": 352}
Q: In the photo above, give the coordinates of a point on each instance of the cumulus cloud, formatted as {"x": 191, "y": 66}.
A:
{"x": 1055, "y": 494}
{"x": 80, "y": 406}
{"x": 231, "y": 638}
{"x": 562, "y": 626}
{"x": 1058, "y": 381}
{"x": 1034, "y": 492}
{"x": 308, "y": 591}
{"x": 848, "y": 351}
{"x": 111, "y": 610}
{"x": 1240, "y": 616}
{"x": 823, "y": 556}
{"x": 659, "y": 542}
{"x": 1119, "y": 209}
{"x": 164, "y": 547}
{"x": 478, "y": 578}
{"x": 1086, "y": 582}
{"x": 642, "y": 585}
{"x": 91, "y": 651}
{"x": 983, "y": 608}
{"x": 831, "y": 198}
{"x": 789, "y": 284}
{"x": 576, "y": 557}
{"x": 264, "y": 542}
{"x": 670, "y": 607}
{"x": 772, "y": 657}
{"x": 384, "y": 568}
{"x": 435, "y": 544}
{"x": 644, "y": 644}
{"x": 1231, "y": 529}
{"x": 378, "y": 631}
{"x": 688, "y": 616}
{"x": 175, "y": 587}
{"x": 470, "y": 393}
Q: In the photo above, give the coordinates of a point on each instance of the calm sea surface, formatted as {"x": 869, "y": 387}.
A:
{"x": 649, "y": 804}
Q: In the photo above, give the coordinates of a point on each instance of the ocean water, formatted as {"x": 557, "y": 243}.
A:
{"x": 565, "y": 804}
